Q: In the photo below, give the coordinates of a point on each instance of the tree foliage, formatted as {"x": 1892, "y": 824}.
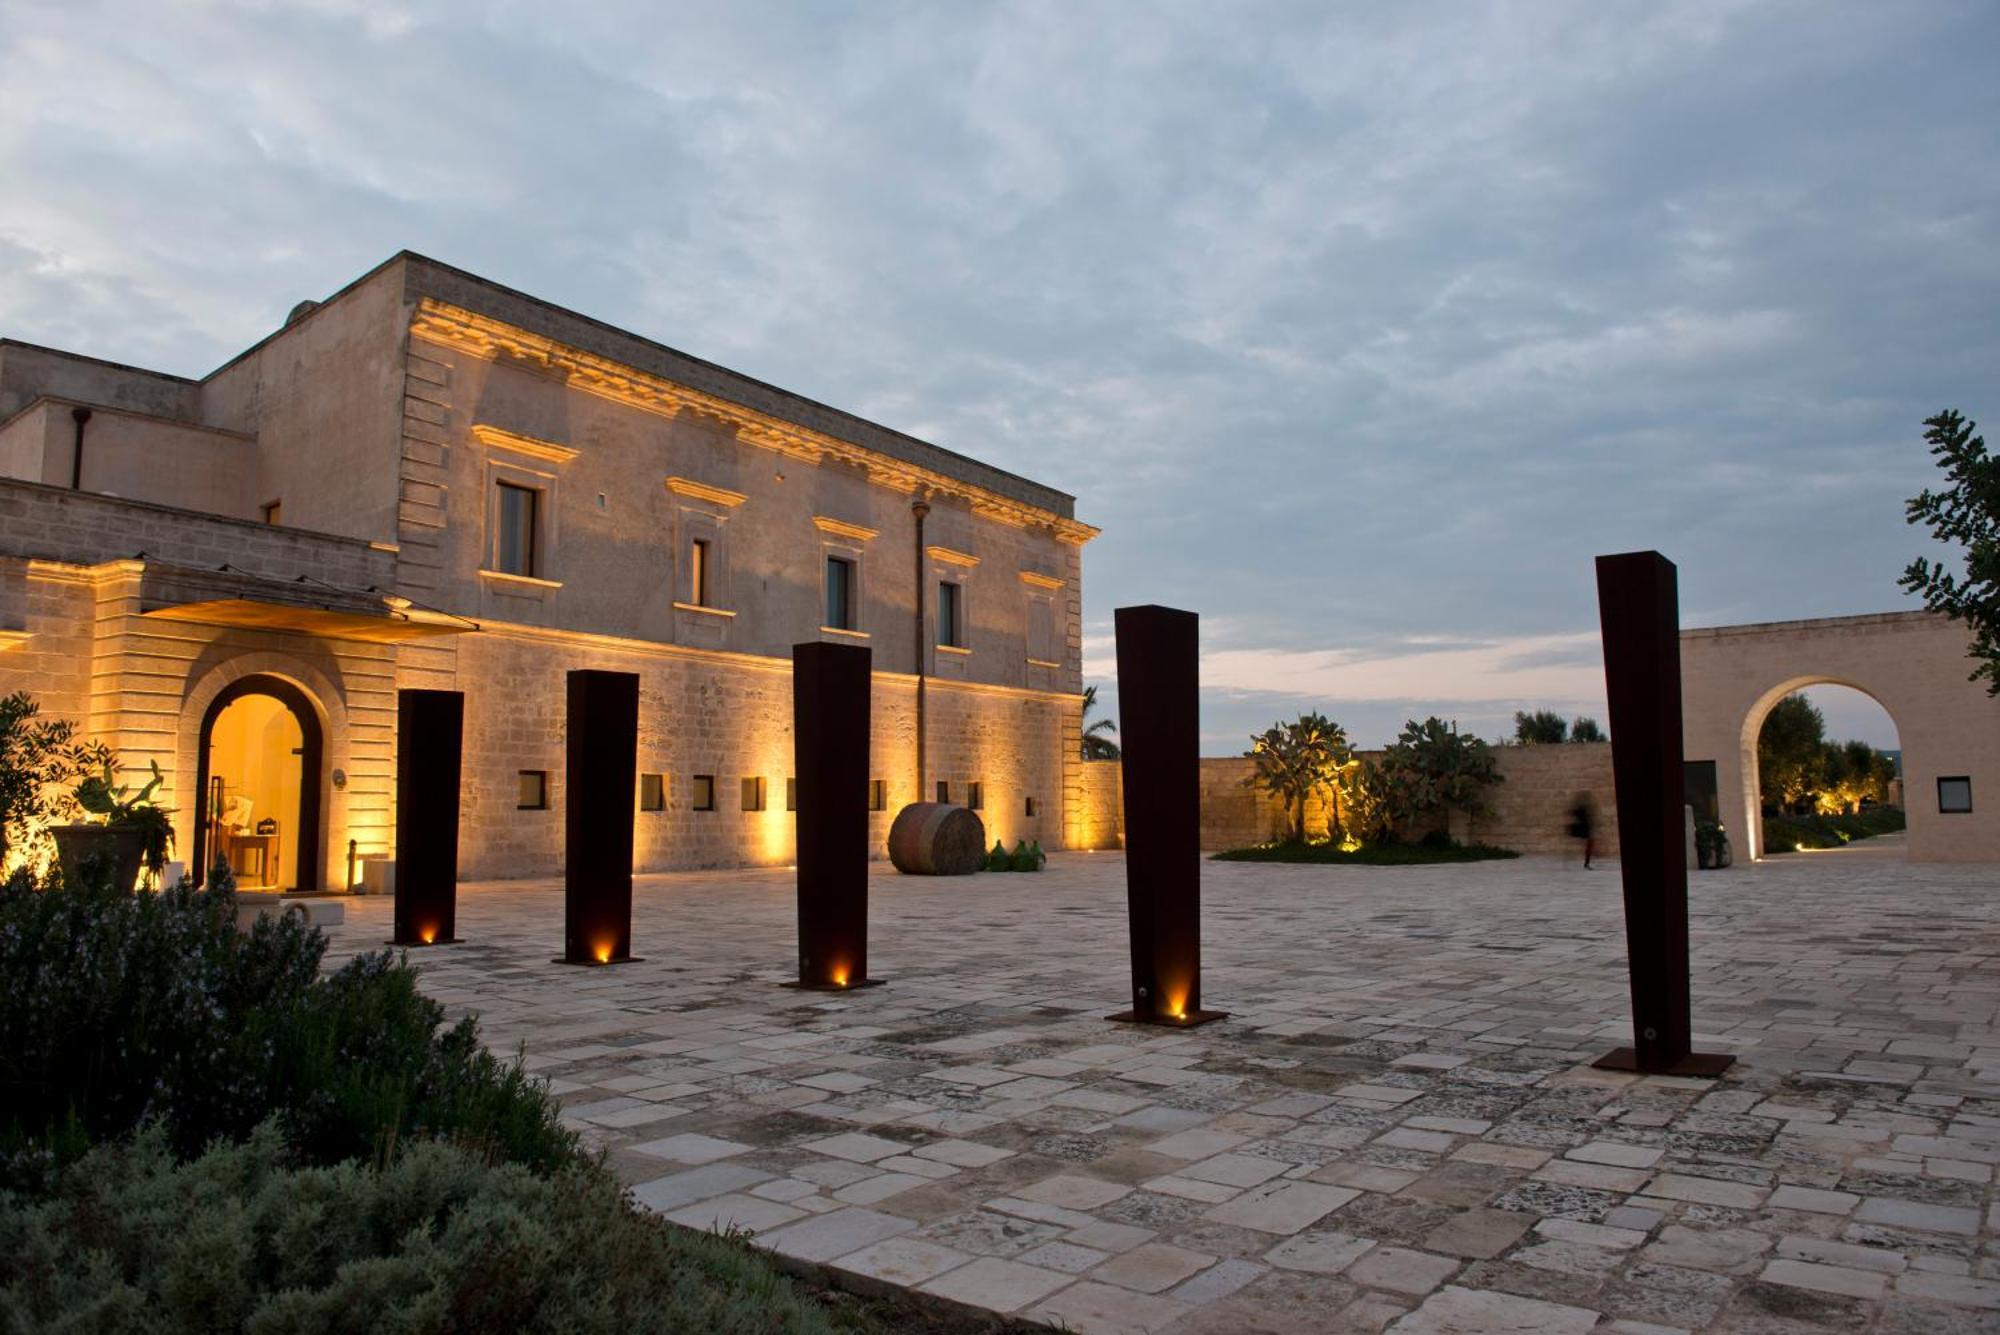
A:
{"x": 1544, "y": 727}
{"x": 41, "y": 762}
{"x": 1433, "y": 769}
{"x": 1585, "y": 729}
{"x": 1798, "y": 768}
{"x": 1293, "y": 761}
{"x": 1967, "y": 513}
{"x": 1097, "y": 746}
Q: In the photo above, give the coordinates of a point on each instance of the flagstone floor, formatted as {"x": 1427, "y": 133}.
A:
{"x": 1396, "y": 1127}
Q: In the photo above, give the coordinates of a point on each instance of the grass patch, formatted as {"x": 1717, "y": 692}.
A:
{"x": 1368, "y": 855}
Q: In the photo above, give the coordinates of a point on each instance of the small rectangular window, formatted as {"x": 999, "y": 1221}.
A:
{"x": 878, "y": 794}
{"x": 698, "y": 573}
{"x": 975, "y": 795}
{"x": 1955, "y": 795}
{"x": 652, "y": 792}
{"x": 791, "y": 794}
{"x": 944, "y": 791}
{"x": 949, "y": 630}
{"x": 514, "y": 551}
{"x": 1034, "y": 807}
{"x": 704, "y": 792}
{"x": 531, "y": 791}
{"x": 753, "y": 793}
{"x": 273, "y": 511}
{"x": 840, "y": 593}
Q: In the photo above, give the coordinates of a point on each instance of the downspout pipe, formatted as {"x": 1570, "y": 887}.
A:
{"x": 80, "y": 416}
{"x": 920, "y": 508}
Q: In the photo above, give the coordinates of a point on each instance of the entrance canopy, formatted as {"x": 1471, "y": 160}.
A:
{"x": 231, "y": 597}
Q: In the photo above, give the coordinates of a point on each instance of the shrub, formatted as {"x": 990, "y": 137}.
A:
{"x": 1433, "y": 769}
{"x": 41, "y": 762}
{"x": 1293, "y": 761}
{"x": 1784, "y": 834}
{"x": 119, "y": 1010}
{"x": 244, "y": 1238}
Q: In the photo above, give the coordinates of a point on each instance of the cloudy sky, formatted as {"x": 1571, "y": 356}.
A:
{"x": 1358, "y": 328}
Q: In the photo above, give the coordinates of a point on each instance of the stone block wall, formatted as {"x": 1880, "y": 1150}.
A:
{"x": 728, "y": 717}
{"x": 1530, "y": 810}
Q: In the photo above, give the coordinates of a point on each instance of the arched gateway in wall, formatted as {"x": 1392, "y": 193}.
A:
{"x": 1912, "y": 663}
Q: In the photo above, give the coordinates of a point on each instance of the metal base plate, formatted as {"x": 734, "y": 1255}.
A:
{"x": 419, "y": 945}
{"x": 835, "y": 987}
{"x": 599, "y": 964}
{"x": 1187, "y": 1021}
{"x": 1701, "y": 1065}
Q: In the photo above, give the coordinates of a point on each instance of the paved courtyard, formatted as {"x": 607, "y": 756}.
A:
{"x": 1397, "y": 1126}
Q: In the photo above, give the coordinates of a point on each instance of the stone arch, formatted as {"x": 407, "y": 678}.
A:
{"x": 1752, "y": 796}
{"x": 317, "y": 679}
{"x": 1913, "y": 664}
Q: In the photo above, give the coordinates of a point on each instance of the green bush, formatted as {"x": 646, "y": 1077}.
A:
{"x": 118, "y": 1010}
{"x": 244, "y": 1238}
{"x": 1784, "y": 834}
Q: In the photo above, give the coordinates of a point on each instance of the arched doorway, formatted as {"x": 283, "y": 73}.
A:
{"x": 257, "y": 794}
{"x": 1847, "y": 711}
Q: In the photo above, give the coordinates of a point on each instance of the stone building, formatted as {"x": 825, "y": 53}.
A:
{"x": 429, "y": 480}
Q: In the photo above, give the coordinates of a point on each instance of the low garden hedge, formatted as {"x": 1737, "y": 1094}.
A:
{"x": 1784, "y": 834}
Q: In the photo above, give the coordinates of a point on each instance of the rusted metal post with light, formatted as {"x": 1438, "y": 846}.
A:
{"x": 1638, "y": 603}
{"x": 599, "y": 779}
{"x": 430, "y": 731}
{"x": 1159, "y": 707}
{"x": 831, "y": 684}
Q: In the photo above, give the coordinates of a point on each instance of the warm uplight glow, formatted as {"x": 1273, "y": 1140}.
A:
{"x": 1176, "y": 1005}
{"x": 603, "y": 952}
{"x": 839, "y": 975}
{"x": 428, "y": 935}
{"x": 1350, "y": 845}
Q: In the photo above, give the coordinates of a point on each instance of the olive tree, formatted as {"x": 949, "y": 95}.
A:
{"x": 1967, "y": 513}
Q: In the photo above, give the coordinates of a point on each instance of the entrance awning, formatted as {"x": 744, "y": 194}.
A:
{"x": 236, "y": 598}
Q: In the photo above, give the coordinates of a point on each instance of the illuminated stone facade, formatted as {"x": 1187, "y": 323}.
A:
{"x": 429, "y": 480}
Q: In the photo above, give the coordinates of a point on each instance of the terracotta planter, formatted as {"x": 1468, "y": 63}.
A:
{"x": 121, "y": 850}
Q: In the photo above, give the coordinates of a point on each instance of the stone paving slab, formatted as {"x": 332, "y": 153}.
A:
{"x": 1397, "y": 1127}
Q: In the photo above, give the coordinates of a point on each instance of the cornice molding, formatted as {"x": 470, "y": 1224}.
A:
{"x": 841, "y": 528}
{"x": 1039, "y": 580}
{"x": 952, "y": 558}
{"x": 687, "y": 486}
{"x": 483, "y": 336}
{"x": 500, "y": 438}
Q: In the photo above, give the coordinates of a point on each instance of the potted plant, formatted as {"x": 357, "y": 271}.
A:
{"x": 128, "y": 832}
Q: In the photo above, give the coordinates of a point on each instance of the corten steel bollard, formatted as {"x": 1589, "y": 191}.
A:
{"x": 1158, "y": 699}
{"x": 1639, "y": 609}
{"x": 602, "y": 754}
{"x": 830, "y": 715}
{"x": 430, "y": 727}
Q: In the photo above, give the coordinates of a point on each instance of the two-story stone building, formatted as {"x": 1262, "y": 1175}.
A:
{"x": 432, "y": 480}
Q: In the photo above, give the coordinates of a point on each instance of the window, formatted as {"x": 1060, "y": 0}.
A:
{"x": 949, "y": 630}
{"x": 753, "y": 793}
{"x": 698, "y": 573}
{"x": 975, "y": 795}
{"x": 652, "y": 792}
{"x": 514, "y": 545}
{"x": 1034, "y": 807}
{"x": 791, "y": 794}
{"x": 531, "y": 791}
{"x": 273, "y": 512}
{"x": 840, "y": 593}
{"x": 1955, "y": 795}
{"x": 944, "y": 791}
{"x": 704, "y": 792}
{"x": 878, "y": 794}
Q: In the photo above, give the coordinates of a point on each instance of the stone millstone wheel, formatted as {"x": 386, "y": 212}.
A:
{"x": 936, "y": 839}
